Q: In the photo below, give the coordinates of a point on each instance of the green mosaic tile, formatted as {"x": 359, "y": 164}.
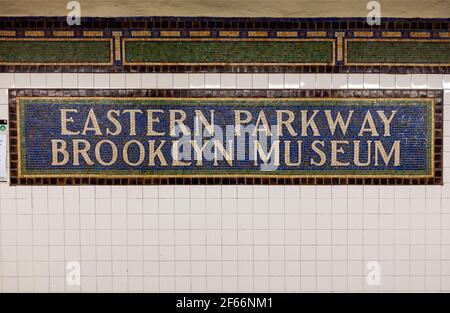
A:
{"x": 405, "y": 52}
{"x": 57, "y": 51}
{"x": 229, "y": 51}
{"x": 225, "y": 45}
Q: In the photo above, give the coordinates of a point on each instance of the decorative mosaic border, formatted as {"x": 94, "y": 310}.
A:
{"x": 437, "y": 95}
{"x": 418, "y": 36}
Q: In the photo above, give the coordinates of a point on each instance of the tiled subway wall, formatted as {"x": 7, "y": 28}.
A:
{"x": 225, "y": 238}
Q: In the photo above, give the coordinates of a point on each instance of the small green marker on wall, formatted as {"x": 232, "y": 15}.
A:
{"x": 3, "y": 124}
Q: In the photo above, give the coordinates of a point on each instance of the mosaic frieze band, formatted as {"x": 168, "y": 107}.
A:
{"x": 297, "y": 136}
{"x": 226, "y": 45}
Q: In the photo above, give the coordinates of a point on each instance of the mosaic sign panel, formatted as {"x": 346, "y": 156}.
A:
{"x": 212, "y": 136}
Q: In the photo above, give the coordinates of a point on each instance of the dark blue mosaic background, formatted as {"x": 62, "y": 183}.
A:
{"x": 41, "y": 123}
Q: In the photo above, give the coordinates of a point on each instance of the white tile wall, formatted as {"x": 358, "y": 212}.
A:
{"x": 371, "y": 81}
{"x": 276, "y": 81}
{"x": 196, "y": 81}
{"x": 226, "y": 238}
{"x": 292, "y": 81}
{"x": 387, "y": 81}
{"x": 164, "y": 81}
{"x": 260, "y": 81}
{"x": 69, "y": 80}
{"x": 323, "y": 81}
{"x": 212, "y": 81}
{"x": 133, "y": 81}
{"x": 356, "y": 81}
{"x": 149, "y": 80}
{"x": 228, "y": 81}
{"x": 307, "y": 81}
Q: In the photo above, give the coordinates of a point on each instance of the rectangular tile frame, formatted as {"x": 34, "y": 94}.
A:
{"x": 62, "y": 63}
{"x": 221, "y": 93}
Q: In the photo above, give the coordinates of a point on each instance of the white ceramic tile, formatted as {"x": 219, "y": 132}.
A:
{"x": 260, "y": 80}
{"x": 291, "y": 81}
{"x": 371, "y": 81}
{"x": 70, "y": 80}
{"x": 403, "y": 81}
{"x": 54, "y": 80}
{"x": 180, "y": 81}
{"x": 387, "y": 81}
{"x": 22, "y": 80}
{"x": 244, "y": 81}
{"x": 339, "y": 81}
{"x": 3, "y": 112}
{"x": 434, "y": 81}
{"x": 149, "y": 80}
{"x": 85, "y": 80}
{"x": 323, "y": 81}
{"x": 197, "y": 80}
{"x": 3, "y": 96}
{"x": 446, "y": 128}
{"x": 446, "y": 175}
{"x": 133, "y": 80}
{"x": 446, "y": 81}
{"x": 6, "y": 80}
{"x": 212, "y": 81}
{"x": 228, "y": 81}
{"x": 419, "y": 81}
{"x": 117, "y": 80}
{"x": 101, "y": 80}
{"x": 447, "y": 97}
{"x": 355, "y": 81}
{"x": 307, "y": 81}
{"x": 447, "y": 143}
{"x": 276, "y": 81}
{"x": 164, "y": 81}
{"x": 38, "y": 80}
